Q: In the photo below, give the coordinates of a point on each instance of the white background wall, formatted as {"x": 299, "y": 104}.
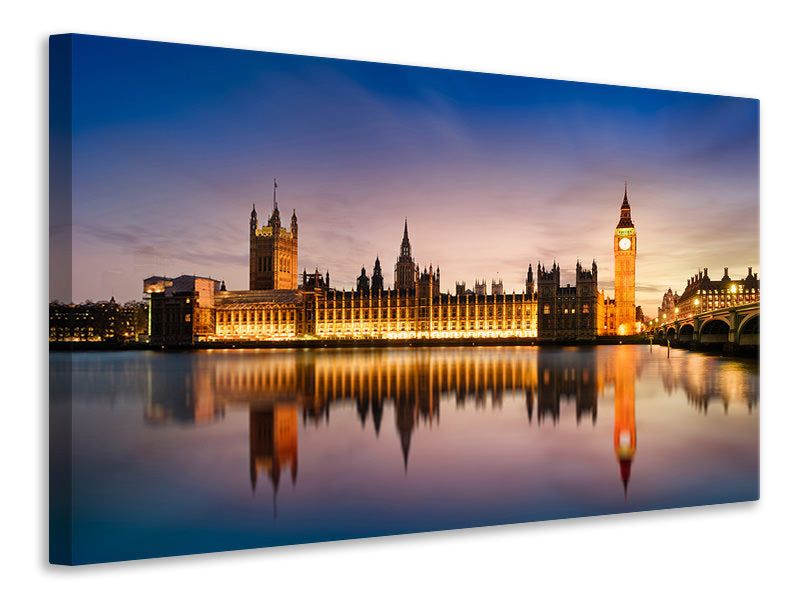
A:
{"x": 743, "y": 49}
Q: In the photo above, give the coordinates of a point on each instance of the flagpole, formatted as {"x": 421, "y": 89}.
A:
{"x": 275, "y": 193}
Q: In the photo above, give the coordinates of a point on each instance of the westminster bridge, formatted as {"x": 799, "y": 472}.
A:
{"x": 738, "y": 325}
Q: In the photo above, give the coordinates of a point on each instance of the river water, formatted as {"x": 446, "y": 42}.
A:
{"x": 177, "y": 453}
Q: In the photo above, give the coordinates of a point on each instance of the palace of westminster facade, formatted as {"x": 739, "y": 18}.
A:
{"x": 190, "y": 309}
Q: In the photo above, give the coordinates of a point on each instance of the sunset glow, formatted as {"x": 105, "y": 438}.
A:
{"x": 174, "y": 144}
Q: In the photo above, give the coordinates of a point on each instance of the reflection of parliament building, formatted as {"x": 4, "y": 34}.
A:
{"x": 399, "y": 391}
{"x": 190, "y": 309}
{"x": 406, "y": 386}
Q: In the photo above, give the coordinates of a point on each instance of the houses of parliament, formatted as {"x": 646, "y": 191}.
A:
{"x": 282, "y": 306}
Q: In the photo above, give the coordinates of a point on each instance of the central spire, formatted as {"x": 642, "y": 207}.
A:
{"x": 625, "y": 211}
{"x": 405, "y": 245}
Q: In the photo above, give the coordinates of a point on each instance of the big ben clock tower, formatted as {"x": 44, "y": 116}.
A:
{"x": 625, "y": 270}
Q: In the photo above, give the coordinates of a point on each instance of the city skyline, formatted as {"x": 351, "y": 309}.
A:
{"x": 492, "y": 172}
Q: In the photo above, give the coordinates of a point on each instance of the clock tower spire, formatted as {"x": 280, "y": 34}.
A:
{"x": 625, "y": 269}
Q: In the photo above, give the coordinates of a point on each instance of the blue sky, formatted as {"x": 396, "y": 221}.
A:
{"x": 172, "y": 144}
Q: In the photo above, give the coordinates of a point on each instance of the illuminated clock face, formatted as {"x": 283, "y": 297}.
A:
{"x": 624, "y": 244}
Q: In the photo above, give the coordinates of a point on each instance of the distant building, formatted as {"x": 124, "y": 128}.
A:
{"x": 181, "y": 309}
{"x": 703, "y": 294}
{"x": 669, "y": 302}
{"x": 98, "y": 322}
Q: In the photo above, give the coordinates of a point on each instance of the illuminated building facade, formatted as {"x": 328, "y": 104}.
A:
{"x": 426, "y": 314}
{"x": 181, "y": 309}
{"x": 276, "y": 308}
{"x": 98, "y": 322}
{"x": 702, "y": 294}
{"x": 414, "y": 309}
{"x": 669, "y": 302}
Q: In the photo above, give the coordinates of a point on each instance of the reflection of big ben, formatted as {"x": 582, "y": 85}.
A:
{"x": 625, "y": 411}
{"x": 625, "y": 270}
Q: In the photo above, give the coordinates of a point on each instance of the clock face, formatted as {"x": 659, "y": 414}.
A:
{"x": 624, "y": 244}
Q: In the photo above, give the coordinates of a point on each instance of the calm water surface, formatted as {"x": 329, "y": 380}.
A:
{"x": 216, "y": 450}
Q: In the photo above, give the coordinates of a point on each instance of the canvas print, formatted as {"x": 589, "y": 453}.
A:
{"x": 299, "y": 299}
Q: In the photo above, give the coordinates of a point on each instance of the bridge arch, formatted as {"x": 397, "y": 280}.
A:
{"x": 749, "y": 330}
{"x": 671, "y": 334}
{"x": 714, "y": 331}
{"x": 686, "y": 333}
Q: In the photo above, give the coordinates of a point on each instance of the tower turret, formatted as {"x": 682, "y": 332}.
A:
{"x": 273, "y": 251}
{"x": 377, "y": 277}
{"x": 362, "y": 283}
{"x": 253, "y": 221}
{"x": 406, "y": 273}
{"x": 625, "y": 211}
{"x": 529, "y": 282}
{"x": 275, "y": 218}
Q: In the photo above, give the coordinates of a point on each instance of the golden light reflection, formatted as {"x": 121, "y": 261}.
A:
{"x": 281, "y": 387}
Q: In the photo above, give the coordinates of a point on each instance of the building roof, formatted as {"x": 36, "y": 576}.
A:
{"x": 702, "y": 282}
{"x": 256, "y": 296}
{"x": 625, "y": 212}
